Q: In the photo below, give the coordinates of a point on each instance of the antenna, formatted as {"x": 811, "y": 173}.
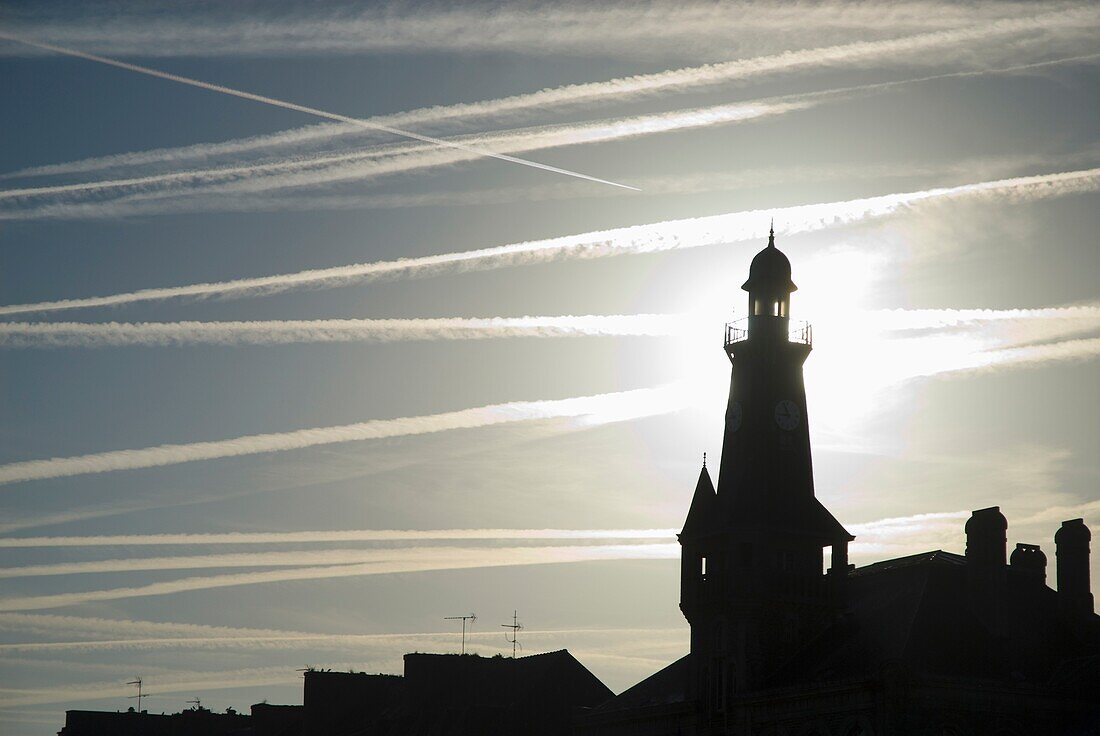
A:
{"x": 471, "y": 618}
{"x": 140, "y": 695}
{"x": 196, "y": 702}
{"x": 515, "y": 627}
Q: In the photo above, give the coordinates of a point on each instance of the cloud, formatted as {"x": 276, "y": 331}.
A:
{"x": 697, "y": 232}
{"x": 586, "y": 409}
{"x": 392, "y": 561}
{"x": 281, "y": 332}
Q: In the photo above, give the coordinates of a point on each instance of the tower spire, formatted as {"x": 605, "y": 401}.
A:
{"x": 771, "y": 234}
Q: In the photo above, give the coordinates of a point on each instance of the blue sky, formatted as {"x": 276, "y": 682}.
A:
{"x": 932, "y": 172}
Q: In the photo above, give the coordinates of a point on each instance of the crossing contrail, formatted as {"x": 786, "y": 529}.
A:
{"x": 734, "y": 227}
{"x": 601, "y": 408}
{"x": 307, "y": 110}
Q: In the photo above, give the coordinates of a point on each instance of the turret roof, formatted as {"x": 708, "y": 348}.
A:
{"x": 770, "y": 270}
{"x": 703, "y": 516}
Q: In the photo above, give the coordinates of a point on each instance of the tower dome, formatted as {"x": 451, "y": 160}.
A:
{"x": 770, "y": 270}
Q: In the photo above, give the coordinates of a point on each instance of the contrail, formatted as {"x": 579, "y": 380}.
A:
{"x": 154, "y": 195}
{"x": 282, "y": 332}
{"x": 919, "y": 319}
{"x": 1081, "y": 349}
{"x": 307, "y": 110}
{"x": 307, "y": 558}
{"x": 409, "y": 642}
{"x": 496, "y": 557}
{"x": 619, "y": 89}
{"x": 152, "y": 633}
{"x": 688, "y": 28}
{"x": 350, "y": 535}
{"x": 188, "y": 682}
{"x": 735, "y": 227}
{"x": 390, "y": 159}
{"x": 213, "y": 200}
{"x": 93, "y": 626}
{"x": 600, "y": 408}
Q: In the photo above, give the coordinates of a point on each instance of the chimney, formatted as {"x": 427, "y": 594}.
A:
{"x": 1072, "y": 549}
{"x": 986, "y": 537}
{"x": 1030, "y": 563}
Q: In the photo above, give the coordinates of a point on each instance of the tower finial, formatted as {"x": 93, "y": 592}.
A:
{"x": 771, "y": 234}
{"x": 704, "y": 459}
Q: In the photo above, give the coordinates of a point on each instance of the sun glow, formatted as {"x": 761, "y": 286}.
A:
{"x": 839, "y": 334}
{"x": 863, "y": 354}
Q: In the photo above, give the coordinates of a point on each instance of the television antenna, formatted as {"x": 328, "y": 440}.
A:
{"x": 140, "y": 694}
{"x": 196, "y": 702}
{"x": 515, "y": 626}
{"x": 471, "y": 618}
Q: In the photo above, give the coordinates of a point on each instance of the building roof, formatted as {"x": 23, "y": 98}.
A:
{"x": 664, "y": 687}
{"x": 919, "y": 613}
{"x": 927, "y": 613}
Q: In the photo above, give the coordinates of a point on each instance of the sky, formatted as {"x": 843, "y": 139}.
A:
{"x": 419, "y": 313}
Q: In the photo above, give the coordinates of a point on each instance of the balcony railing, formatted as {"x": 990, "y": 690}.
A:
{"x": 738, "y": 331}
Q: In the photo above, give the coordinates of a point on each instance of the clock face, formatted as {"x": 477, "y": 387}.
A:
{"x": 787, "y": 415}
{"x": 736, "y": 414}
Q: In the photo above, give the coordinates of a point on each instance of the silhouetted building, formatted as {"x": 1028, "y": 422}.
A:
{"x": 453, "y": 695}
{"x": 935, "y": 644}
{"x": 193, "y": 722}
{"x": 342, "y": 702}
{"x": 276, "y": 720}
{"x": 439, "y": 695}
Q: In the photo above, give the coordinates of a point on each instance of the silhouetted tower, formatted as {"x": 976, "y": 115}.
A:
{"x": 752, "y": 585}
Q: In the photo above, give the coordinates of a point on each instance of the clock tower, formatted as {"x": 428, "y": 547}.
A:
{"x": 752, "y": 583}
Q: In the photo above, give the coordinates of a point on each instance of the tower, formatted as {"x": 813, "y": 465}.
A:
{"x": 752, "y": 584}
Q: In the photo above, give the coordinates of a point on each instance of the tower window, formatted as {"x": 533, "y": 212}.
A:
{"x": 703, "y": 568}
{"x": 775, "y": 309}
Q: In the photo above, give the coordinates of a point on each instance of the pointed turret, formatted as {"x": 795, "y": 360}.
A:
{"x": 703, "y": 514}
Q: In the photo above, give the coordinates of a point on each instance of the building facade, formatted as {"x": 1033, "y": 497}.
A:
{"x": 783, "y": 644}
